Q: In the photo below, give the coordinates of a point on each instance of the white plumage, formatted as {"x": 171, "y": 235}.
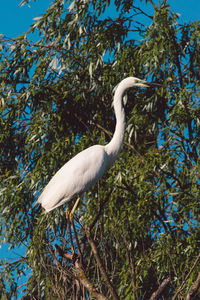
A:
{"x": 75, "y": 177}
{"x": 88, "y": 166}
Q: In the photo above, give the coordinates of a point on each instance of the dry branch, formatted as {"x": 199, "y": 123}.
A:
{"x": 100, "y": 265}
{"x": 194, "y": 288}
{"x": 160, "y": 289}
{"x": 184, "y": 282}
{"x": 80, "y": 274}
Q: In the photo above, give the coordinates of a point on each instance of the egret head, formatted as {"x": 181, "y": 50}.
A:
{"x": 130, "y": 82}
{"x": 134, "y": 81}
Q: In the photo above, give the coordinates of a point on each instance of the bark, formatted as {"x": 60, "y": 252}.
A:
{"x": 100, "y": 265}
{"x": 194, "y": 288}
{"x": 160, "y": 289}
{"x": 188, "y": 275}
{"x": 80, "y": 274}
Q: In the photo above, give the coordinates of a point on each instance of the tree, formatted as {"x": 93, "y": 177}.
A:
{"x": 136, "y": 233}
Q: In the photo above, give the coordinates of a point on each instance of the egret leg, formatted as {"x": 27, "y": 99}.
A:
{"x": 69, "y": 215}
{"x": 73, "y": 209}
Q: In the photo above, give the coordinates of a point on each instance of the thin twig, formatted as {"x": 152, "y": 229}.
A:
{"x": 77, "y": 242}
{"x": 80, "y": 274}
{"x": 194, "y": 288}
{"x": 100, "y": 265}
{"x": 142, "y": 12}
{"x": 100, "y": 209}
{"x": 186, "y": 278}
{"x": 130, "y": 257}
{"x": 71, "y": 239}
{"x": 97, "y": 216}
{"x": 152, "y": 3}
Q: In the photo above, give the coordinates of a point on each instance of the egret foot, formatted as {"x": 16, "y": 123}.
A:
{"x": 69, "y": 215}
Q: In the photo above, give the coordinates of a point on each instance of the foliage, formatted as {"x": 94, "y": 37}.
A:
{"x": 55, "y": 100}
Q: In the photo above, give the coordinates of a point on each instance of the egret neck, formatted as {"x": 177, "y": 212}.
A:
{"x": 114, "y": 146}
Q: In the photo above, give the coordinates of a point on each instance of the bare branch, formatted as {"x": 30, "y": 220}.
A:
{"x": 194, "y": 288}
{"x": 80, "y": 274}
{"x": 97, "y": 216}
{"x": 152, "y": 4}
{"x": 130, "y": 257}
{"x": 188, "y": 275}
{"x": 100, "y": 265}
{"x": 142, "y": 12}
{"x": 160, "y": 289}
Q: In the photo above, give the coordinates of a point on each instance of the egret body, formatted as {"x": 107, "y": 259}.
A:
{"x": 88, "y": 166}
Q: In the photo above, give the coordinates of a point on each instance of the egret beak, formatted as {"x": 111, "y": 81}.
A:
{"x": 149, "y": 84}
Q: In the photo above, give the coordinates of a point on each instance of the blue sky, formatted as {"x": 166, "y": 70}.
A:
{"x": 15, "y": 20}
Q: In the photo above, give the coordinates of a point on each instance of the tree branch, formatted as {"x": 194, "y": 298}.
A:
{"x": 100, "y": 265}
{"x": 160, "y": 289}
{"x": 194, "y": 288}
{"x": 98, "y": 215}
{"x": 152, "y": 4}
{"x": 186, "y": 278}
{"x": 80, "y": 274}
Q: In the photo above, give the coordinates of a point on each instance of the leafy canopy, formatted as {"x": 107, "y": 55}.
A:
{"x": 55, "y": 100}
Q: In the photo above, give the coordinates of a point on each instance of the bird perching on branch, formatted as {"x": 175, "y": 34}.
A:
{"x": 88, "y": 166}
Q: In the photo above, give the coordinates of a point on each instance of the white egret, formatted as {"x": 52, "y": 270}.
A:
{"x": 88, "y": 166}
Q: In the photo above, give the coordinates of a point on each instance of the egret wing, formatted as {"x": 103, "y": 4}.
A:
{"x": 75, "y": 177}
